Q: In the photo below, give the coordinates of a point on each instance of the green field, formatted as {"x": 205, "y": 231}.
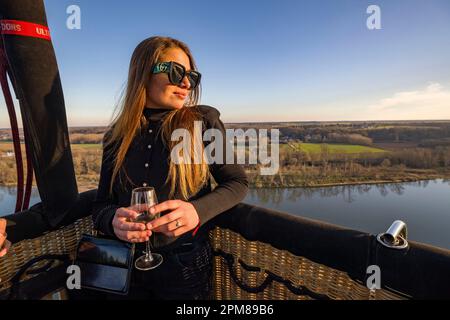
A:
{"x": 332, "y": 148}
{"x": 305, "y": 147}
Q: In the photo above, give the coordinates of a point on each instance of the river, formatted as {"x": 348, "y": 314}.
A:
{"x": 423, "y": 205}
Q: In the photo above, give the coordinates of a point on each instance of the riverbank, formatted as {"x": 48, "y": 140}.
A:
{"x": 291, "y": 179}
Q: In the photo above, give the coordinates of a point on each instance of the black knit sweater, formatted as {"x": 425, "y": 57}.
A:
{"x": 147, "y": 163}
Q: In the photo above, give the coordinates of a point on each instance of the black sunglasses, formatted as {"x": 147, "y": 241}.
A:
{"x": 177, "y": 72}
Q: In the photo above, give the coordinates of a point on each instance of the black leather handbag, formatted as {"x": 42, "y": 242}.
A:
{"x": 105, "y": 264}
{"x": 45, "y": 279}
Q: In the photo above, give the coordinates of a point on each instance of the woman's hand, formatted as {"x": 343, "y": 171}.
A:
{"x": 4, "y": 248}
{"x": 182, "y": 218}
{"x": 127, "y": 230}
{"x": 4, "y": 244}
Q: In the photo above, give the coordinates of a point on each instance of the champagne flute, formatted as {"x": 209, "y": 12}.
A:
{"x": 142, "y": 199}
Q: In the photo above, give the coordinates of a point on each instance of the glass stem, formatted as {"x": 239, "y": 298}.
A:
{"x": 148, "y": 253}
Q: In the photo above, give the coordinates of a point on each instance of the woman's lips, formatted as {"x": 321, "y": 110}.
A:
{"x": 181, "y": 96}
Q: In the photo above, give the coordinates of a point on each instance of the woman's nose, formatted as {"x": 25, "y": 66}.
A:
{"x": 185, "y": 83}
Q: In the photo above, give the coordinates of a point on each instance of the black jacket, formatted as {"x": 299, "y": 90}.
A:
{"x": 146, "y": 164}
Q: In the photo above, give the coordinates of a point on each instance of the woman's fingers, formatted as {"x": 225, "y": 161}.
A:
{"x": 181, "y": 220}
{"x": 121, "y": 221}
{"x": 175, "y": 223}
{"x": 3, "y": 242}
{"x": 5, "y": 247}
{"x": 2, "y": 225}
{"x": 126, "y": 213}
{"x": 174, "y": 215}
{"x": 176, "y": 232}
{"x": 166, "y": 205}
{"x": 127, "y": 226}
{"x": 127, "y": 230}
{"x": 131, "y": 226}
{"x": 133, "y": 236}
{"x": 139, "y": 240}
{"x": 170, "y": 226}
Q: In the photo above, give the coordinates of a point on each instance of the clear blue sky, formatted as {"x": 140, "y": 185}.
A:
{"x": 266, "y": 60}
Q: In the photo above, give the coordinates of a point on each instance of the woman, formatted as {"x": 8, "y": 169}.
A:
{"x": 162, "y": 95}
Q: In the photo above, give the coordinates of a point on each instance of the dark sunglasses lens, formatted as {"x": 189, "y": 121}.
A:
{"x": 177, "y": 74}
{"x": 194, "y": 78}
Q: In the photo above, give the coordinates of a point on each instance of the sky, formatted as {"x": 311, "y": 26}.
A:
{"x": 265, "y": 60}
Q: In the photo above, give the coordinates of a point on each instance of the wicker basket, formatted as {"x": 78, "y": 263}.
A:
{"x": 62, "y": 241}
{"x": 287, "y": 277}
{"x": 242, "y": 269}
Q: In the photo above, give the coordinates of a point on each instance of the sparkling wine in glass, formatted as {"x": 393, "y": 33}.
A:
{"x": 142, "y": 199}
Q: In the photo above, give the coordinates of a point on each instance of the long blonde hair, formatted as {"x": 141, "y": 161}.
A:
{"x": 185, "y": 179}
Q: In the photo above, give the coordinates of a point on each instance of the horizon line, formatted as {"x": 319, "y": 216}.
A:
{"x": 293, "y": 121}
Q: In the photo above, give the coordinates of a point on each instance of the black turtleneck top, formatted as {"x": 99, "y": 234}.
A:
{"x": 146, "y": 164}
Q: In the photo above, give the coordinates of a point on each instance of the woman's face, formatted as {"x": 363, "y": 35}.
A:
{"x": 160, "y": 92}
